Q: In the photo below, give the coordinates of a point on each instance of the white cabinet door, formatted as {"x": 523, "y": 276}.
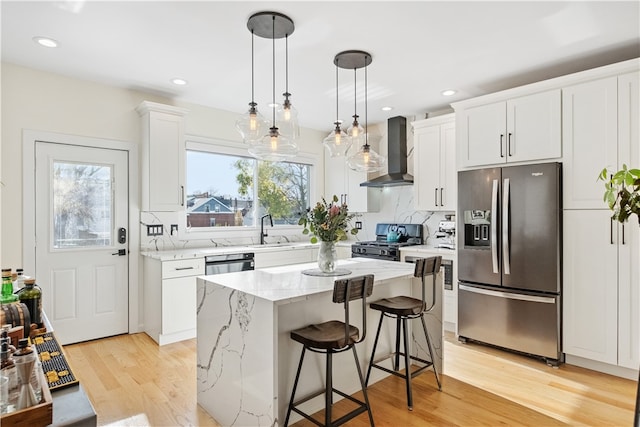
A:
{"x": 435, "y": 178}
{"x": 341, "y": 181}
{"x": 629, "y": 238}
{"x": 448, "y": 172}
{"x": 534, "y": 127}
{"x": 590, "y": 288}
{"x": 481, "y": 133}
{"x": 178, "y": 304}
{"x": 522, "y": 129}
{"x": 426, "y": 171}
{"x": 589, "y": 133}
{"x": 163, "y": 157}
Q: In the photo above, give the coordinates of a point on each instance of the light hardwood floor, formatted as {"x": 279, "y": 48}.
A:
{"x": 133, "y": 382}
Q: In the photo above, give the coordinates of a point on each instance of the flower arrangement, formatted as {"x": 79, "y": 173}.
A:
{"x": 328, "y": 222}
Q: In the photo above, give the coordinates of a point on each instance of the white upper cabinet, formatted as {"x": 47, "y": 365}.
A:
{"x": 163, "y": 157}
{"x": 600, "y": 129}
{"x": 522, "y": 129}
{"x": 434, "y": 171}
{"x": 344, "y": 182}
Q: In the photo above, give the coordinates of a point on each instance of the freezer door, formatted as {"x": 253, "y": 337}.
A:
{"x": 531, "y": 215}
{"x": 479, "y": 226}
{"x": 522, "y": 322}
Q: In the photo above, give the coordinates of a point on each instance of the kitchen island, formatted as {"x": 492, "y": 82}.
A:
{"x": 247, "y": 362}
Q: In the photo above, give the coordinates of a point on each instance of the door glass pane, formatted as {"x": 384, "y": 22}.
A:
{"x": 82, "y": 205}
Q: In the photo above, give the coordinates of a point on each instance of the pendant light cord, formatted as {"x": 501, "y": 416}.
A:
{"x": 253, "y": 101}
{"x": 273, "y": 49}
{"x": 355, "y": 93}
{"x": 366, "y": 111}
{"x": 286, "y": 63}
{"x": 337, "y": 114}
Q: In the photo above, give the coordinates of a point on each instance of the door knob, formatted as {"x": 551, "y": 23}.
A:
{"x": 121, "y": 252}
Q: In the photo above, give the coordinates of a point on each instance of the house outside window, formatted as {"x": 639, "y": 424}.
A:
{"x": 230, "y": 189}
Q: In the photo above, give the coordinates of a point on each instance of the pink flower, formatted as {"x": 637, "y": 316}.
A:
{"x": 334, "y": 210}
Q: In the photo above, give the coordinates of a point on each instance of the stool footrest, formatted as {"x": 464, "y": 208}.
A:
{"x": 362, "y": 407}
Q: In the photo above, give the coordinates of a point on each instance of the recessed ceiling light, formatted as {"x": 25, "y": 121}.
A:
{"x": 46, "y": 41}
{"x": 448, "y": 92}
{"x": 387, "y": 108}
{"x": 179, "y": 82}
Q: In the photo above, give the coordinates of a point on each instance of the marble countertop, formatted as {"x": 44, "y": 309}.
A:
{"x": 222, "y": 250}
{"x": 286, "y": 284}
{"x": 431, "y": 250}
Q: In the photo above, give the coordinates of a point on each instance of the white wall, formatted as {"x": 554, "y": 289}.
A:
{"x": 47, "y": 102}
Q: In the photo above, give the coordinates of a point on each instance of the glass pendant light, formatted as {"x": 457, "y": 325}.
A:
{"x": 274, "y": 146}
{"x": 337, "y": 142}
{"x": 251, "y": 125}
{"x": 286, "y": 113}
{"x": 366, "y": 159}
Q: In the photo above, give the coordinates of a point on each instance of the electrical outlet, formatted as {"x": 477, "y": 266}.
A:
{"x": 174, "y": 227}
{"x": 155, "y": 230}
{"x": 358, "y": 225}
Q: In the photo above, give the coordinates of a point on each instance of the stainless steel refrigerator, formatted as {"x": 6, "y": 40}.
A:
{"x": 510, "y": 258}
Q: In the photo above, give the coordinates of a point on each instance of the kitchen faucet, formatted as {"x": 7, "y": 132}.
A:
{"x": 262, "y": 232}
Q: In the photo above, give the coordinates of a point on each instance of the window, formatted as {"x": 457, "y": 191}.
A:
{"x": 225, "y": 190}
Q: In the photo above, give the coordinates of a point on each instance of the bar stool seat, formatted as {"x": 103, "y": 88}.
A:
{"x": 326, "y": 335}
{"x": 333, "y": 337}
{"x": 403, "y": 308}
{"x": 399, "y": 306}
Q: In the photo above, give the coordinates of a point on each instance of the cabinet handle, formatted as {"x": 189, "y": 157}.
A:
{"x": 435, "y": 196}
{"x": 509, "y": 144}
{"x": 623, "y": 242}
{"x": 183, "y": 268}
{"x": 611, "y": 229}
{"x": 182, "y": 195}
{"x": 501, "y": 152}
{"x": 441, "y": 199}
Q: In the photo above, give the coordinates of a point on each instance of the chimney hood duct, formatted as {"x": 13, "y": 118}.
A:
{"x": 396, "y": 156}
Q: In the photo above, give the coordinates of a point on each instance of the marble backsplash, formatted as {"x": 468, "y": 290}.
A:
{"x": 396, "y": 207}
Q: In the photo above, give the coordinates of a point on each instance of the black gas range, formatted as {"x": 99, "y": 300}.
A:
{"x": 389, "y": 239}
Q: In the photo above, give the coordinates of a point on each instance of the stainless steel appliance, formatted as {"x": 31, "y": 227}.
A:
{"x": 445, "y": 264}
{"x": 229, "y": 263}
{"x": 389, "y": 239}
{"x": 509, "y": 258}
{"x": 445, "y": 236}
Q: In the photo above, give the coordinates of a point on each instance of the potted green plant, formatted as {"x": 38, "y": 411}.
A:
{"x": 622, "y": 192}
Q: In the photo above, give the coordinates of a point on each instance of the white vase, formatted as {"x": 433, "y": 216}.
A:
{"x": 327, "y": 257}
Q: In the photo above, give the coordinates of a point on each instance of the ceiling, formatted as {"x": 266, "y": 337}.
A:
{"x": 419, "y": 48}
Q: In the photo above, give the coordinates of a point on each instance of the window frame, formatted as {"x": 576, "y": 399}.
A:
{"x": 234, "y": 148}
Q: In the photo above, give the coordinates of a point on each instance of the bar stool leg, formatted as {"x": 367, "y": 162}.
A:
{"x": 364, "y": 387}
{"x": 426, "y": 333}
{"x": 295, "y": 385}
{"x": 396, "y": 360}
{"x": 407, "y": 364}
{"x": 328, "y": 396}
{"x": 373, "y": 352}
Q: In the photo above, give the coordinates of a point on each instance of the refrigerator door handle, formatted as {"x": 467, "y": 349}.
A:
{"x": 494, "y": 227}
{"x": 505, "y": 226}
{"x": 508, "y": 295}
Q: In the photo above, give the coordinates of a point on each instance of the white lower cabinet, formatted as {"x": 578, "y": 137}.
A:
{"x": 170, "y": 298}
{"x": 601, "y": 289}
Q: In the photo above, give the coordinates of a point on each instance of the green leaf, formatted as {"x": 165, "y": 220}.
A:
{"x": 314, "y": 239}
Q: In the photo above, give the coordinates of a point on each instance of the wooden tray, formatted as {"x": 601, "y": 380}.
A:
{"x": 35, "y": 416}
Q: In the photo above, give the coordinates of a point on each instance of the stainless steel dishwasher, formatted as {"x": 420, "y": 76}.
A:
{"x": 229, "y": 263}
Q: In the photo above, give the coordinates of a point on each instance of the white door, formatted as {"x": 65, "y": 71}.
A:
{"x": 81, "y": 211}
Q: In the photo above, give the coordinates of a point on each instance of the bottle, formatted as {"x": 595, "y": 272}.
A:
{"x": 25, "y": 360}
{"x": 4, "y": 336}
{"x": 31, "y": 296}
{"x": 18, "y": 283}
{"x": 8, "y": 369}
{"x": 6, "y": 294}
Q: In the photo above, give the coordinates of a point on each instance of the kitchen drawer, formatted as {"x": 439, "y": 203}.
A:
{"x": 182, "y": 268}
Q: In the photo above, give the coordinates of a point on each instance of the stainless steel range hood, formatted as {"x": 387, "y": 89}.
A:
{"x": 397, "y": 156}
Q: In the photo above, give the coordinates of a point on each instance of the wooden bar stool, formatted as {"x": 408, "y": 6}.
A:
{"x": 404, "y": 308}
{"x": 335, "y": 337}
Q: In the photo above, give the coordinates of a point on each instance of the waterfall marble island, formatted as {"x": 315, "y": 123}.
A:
{"x": 246, "y": 360}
